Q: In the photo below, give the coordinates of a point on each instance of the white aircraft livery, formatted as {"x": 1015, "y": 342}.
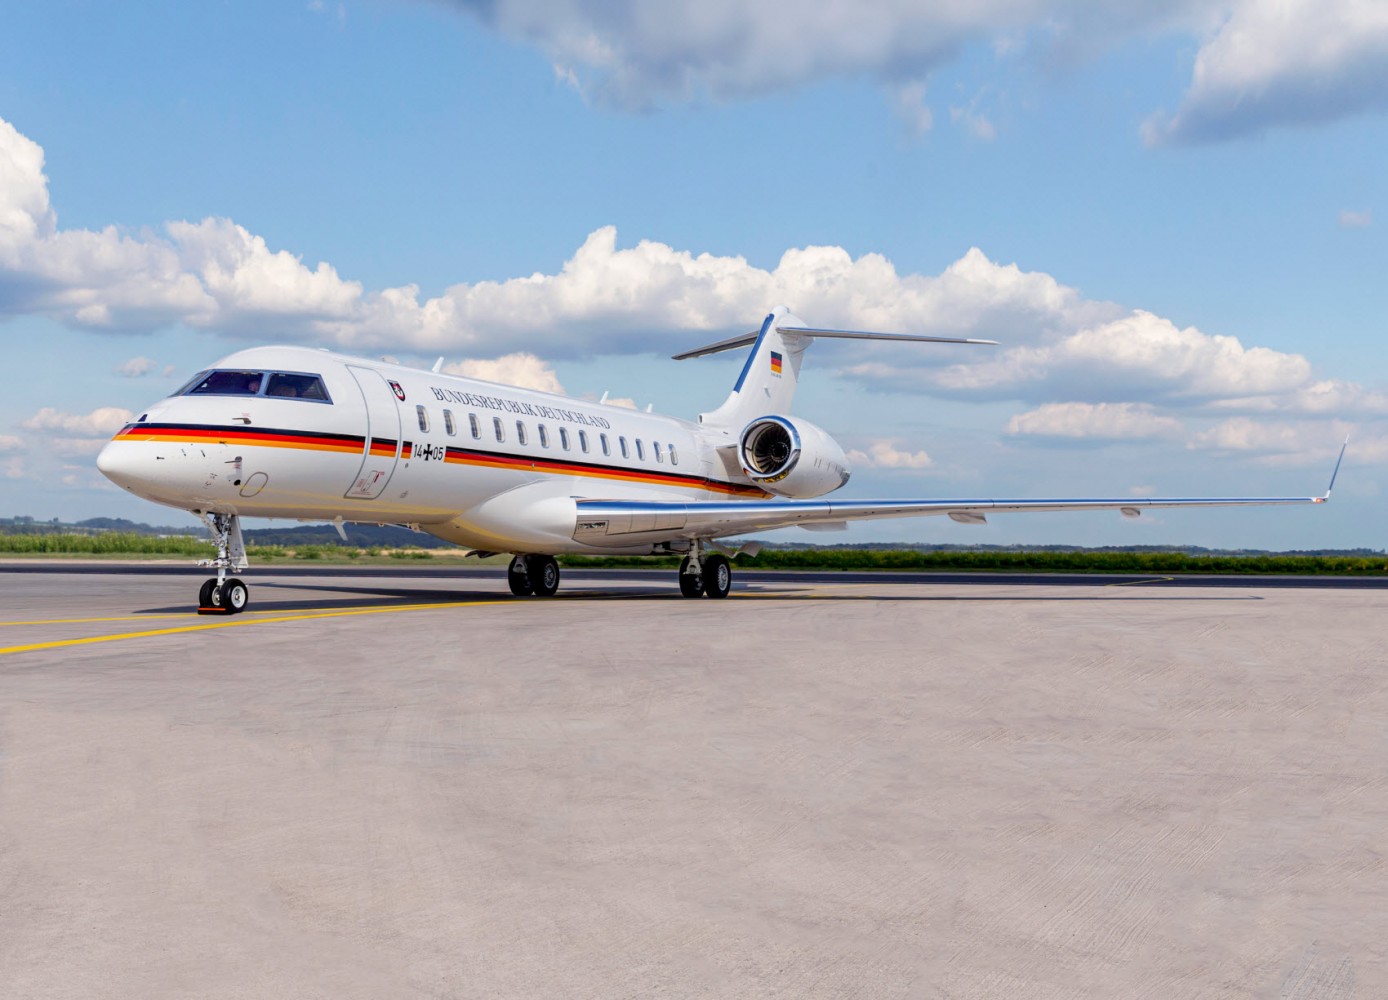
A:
{"x": 293, "y": 432}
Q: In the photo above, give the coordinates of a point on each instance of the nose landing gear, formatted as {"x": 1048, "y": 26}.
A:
{"x": 224, "y": 595}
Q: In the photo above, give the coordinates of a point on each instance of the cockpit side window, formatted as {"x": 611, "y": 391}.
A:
{"x": 297, "y": 385}
{"x": 228, "y": 383}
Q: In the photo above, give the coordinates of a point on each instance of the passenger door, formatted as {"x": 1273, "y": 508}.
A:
{"x": 382, "y": 448}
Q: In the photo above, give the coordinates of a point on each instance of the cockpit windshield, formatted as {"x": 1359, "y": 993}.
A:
{"x": 282, "y": 385}
{"x": 226, "y": 383}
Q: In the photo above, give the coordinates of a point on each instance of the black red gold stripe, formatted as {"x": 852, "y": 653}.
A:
{"x": 383, "y": 447}
{"x": 560, "y": 467}
{"x": 265, "y": 437}
{"x": 272, "y": 437}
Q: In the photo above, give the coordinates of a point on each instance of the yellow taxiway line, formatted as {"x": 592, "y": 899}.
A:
{"x": 88, "y": 621}
{"x": 271, "y": 618}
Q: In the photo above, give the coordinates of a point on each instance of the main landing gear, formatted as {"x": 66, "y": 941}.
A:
{"x": 700, "y": 575}
{"x": 709, "y": 576}
{"x": 538, "y": 575}
{"x": 224, "y": 595}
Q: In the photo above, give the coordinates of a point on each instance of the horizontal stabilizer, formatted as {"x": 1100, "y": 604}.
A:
{"x": 747, "y": 339}
{"x": 809, "y": 331}
{"x": 732, "y": 343}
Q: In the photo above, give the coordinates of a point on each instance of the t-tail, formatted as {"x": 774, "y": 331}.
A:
{"x": 769, "y": 376}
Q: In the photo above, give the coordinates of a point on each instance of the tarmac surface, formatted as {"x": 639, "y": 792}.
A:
{"x": 825, "y": 786}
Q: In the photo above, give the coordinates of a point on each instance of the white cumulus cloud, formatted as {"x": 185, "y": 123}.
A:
{"x": 10, "y": 443}
{"x": 1324, "y": 398}
{"x": 1279, "y": 62}
{"x": 648, "y": 297}
{"x": 1094, "y": 421}
{"x": 1292, "y": 442}
{"x": 1260, "y": 63}
{"x": 520, "y": 369}
{"x": 886, "y": 455}
{"x": 103, "y": 420}
{"x": 1137, "y": 357}
{"x": 136, "y": 367}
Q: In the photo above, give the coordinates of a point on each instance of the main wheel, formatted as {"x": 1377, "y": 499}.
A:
{"x": 235, "y": 595}
{"x": 205, "y": 592}
{"x": 518, "y": 579}
{"x": 544, "y": 575}
{"x": 718, "y": 576}
{"x": 691, "y": 584}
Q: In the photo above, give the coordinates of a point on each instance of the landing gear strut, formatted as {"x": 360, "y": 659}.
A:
{"x": 224, "y": 595}
{"x": 538, "y": 575}
{"x": 691, "y": 578}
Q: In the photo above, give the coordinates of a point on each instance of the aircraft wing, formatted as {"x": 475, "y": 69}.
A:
{"x": 622, "y": 522}
{"x": 618, "y": 523}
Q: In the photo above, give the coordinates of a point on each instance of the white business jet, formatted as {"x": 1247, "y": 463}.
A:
{"x": 291, "y": 432}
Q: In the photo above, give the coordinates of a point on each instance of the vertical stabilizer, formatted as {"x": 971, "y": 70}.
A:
{"x": 767, "y": 382}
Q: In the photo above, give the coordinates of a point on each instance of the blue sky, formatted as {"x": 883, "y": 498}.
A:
{"x": 1173, "y": 219}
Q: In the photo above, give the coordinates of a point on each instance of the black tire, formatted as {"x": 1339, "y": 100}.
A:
{"x": 205, "y": 593}
{"x": 518, "y": 578}
{"x": 544, "y": 575}
{"x": 718, "y": 576}
{"x": 691, "y": 584}
{"x": 235, "y": 595}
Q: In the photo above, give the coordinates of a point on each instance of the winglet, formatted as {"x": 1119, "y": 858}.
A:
{"x": 1336, "y": 471}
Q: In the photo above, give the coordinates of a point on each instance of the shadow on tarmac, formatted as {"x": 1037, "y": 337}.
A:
{"x": 340, "y": 598}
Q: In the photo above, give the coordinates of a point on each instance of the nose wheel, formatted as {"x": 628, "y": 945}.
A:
{"x": 227, "y": 597}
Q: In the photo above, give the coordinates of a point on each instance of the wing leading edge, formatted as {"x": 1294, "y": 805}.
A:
{"x": 626, "y": 522}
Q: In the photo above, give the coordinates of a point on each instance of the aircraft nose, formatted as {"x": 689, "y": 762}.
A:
{"x": 118, "y": 463}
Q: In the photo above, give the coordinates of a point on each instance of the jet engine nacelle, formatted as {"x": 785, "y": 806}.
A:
{"x": 791, "y": 458}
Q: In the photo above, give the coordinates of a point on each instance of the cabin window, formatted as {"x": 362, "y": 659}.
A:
{"x": 640, "y": 450}
{"x": 544, "y": 436}
{"x": 498, "y": 429}
{"x": 450, "y": 428}
{"x": 622, "y": 443}
{"x": 564, "y": 438}
{"x": 520, "y": 431}
{"x": 474, "y": 425}
{"x": 659, "y": 455}
{"x": 228, "y": 383}
{"x": 423, "y": 416}
{"x": 583, "y": 442}
{"x": 296, "y": 385}
{"x": 606, "y": 448}
{"x": 674, "y": 456}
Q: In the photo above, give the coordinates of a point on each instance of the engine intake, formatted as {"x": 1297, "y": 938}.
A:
{"x": 791, "y": 458}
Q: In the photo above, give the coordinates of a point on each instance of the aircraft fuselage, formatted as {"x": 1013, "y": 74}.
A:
{"x": 483, "y": 465}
